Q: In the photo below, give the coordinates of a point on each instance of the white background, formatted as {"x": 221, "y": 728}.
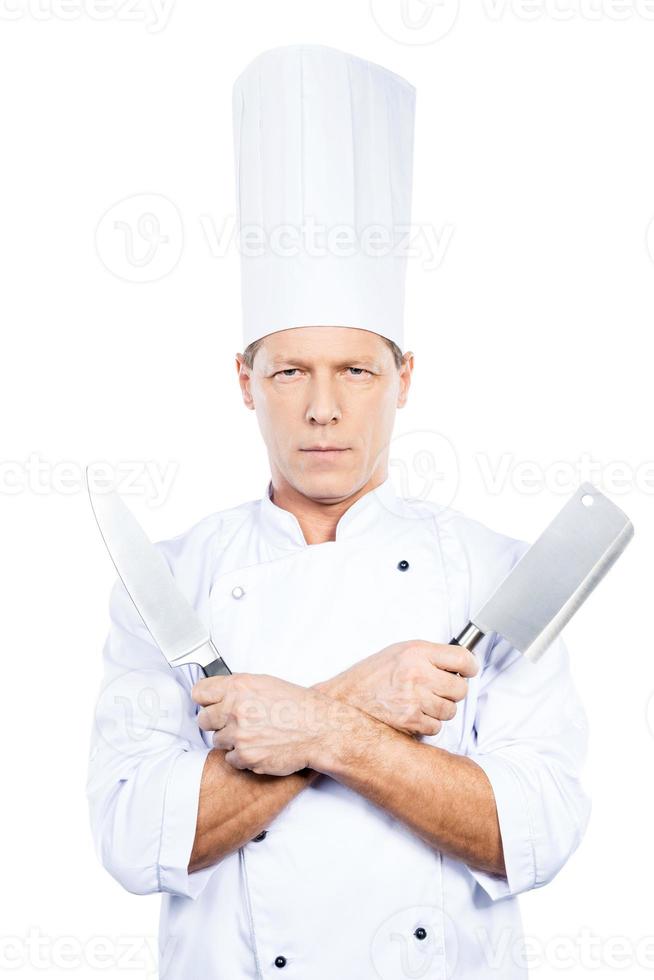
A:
{"x": 534, "y": 159}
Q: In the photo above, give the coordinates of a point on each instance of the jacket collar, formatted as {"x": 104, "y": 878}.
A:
{"x": 282, "y": 529}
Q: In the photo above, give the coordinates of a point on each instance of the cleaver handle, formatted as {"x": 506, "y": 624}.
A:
{"x": 468, "y": 638}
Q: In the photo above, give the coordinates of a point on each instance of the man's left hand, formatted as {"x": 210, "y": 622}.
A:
{"x": 267, "y": 724}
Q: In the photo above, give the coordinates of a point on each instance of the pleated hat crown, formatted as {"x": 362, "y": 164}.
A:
{"x": 323, "y": 144}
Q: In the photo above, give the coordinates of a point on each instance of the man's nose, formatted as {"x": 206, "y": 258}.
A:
{"x": 323, "y": 405}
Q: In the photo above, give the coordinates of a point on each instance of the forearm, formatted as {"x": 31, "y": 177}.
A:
{"x": 444, "y": 798}
{"x": 237, "y": 804}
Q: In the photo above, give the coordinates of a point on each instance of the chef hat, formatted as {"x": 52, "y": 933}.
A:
{"x": 323, "y": 144}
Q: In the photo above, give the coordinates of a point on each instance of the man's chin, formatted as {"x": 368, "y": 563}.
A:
{"x": 336, "y": 483}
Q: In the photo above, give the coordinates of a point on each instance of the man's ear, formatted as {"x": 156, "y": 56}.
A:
{"x": 406, "y": 369}
{"x": 244, "y": 375}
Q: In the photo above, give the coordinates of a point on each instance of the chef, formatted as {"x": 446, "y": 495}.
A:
{"x": 358, "y": 799}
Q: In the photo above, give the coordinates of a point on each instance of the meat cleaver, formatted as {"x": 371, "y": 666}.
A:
{"x": 174, "y": 625}
{"x": 546, "y": 586}
{"x": 529, "y": 608}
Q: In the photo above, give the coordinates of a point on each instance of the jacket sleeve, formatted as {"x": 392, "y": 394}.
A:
{"x": 145, "y": 762}
{"x": 530, "y": 738}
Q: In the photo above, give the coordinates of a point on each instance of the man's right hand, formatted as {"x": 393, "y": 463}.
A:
{"x": 411, "y": 686}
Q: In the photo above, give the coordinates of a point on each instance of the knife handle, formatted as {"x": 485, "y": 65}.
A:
{"x": 468, "y": 638}
{"x": 217, "y": 667}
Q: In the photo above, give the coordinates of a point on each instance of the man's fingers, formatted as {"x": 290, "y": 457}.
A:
{"x": 438, "y": 707}
{"x": 211, "y": 718}
{"x": 429, "y": 725}
{"x": 447, "y": 684}
{"x": 470, "y": 664}
{"x": 457, "y": 659}
{"x": 209, "y": 690}
{"x": 223, "y": 740}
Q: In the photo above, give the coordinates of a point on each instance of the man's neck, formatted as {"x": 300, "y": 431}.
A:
{"x": 319, "y": 517}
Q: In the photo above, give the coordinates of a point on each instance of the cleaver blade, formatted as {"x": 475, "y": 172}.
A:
{"x": 173, "y": 623}
{"x": 552, "y": 579}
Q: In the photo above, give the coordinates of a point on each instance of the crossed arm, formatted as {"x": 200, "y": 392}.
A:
{"x": 446, "y": 799}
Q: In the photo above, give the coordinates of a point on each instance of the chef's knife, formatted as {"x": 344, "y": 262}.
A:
{"x": 174, "y": 625}
{"x": 551, "y": 580}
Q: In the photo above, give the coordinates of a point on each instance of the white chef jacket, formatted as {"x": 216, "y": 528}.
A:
{"x": 337, "y": 887}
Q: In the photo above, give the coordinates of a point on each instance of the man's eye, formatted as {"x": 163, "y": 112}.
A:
{"x": 288, "y": 372}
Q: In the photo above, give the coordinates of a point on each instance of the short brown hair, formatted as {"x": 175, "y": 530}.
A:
{"x": 251, "y": 349}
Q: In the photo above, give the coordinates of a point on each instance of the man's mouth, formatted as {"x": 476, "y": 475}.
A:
{"x": 324, "y": 449}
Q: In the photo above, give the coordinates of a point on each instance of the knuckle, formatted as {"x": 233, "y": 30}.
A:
{"x": 442, "y": 709}
{"x": 241, "y": 731}
{"x": 414, "y": 715}
{"x": 407, "y": 677}
{"x": 423, "y": 726}
{"x": 200, "y": 690}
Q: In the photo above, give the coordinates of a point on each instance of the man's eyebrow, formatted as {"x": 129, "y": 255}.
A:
{"x": 278, "y": 359}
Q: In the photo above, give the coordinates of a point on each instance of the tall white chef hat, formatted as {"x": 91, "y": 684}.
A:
{"x": 323, "y": 145}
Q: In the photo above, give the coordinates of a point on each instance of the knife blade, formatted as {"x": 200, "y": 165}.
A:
{"x": 555, "y": 576}
{"x": 174, "y": 625}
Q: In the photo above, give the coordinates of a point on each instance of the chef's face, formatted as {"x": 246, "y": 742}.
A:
{"x": 335, "y": 387}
